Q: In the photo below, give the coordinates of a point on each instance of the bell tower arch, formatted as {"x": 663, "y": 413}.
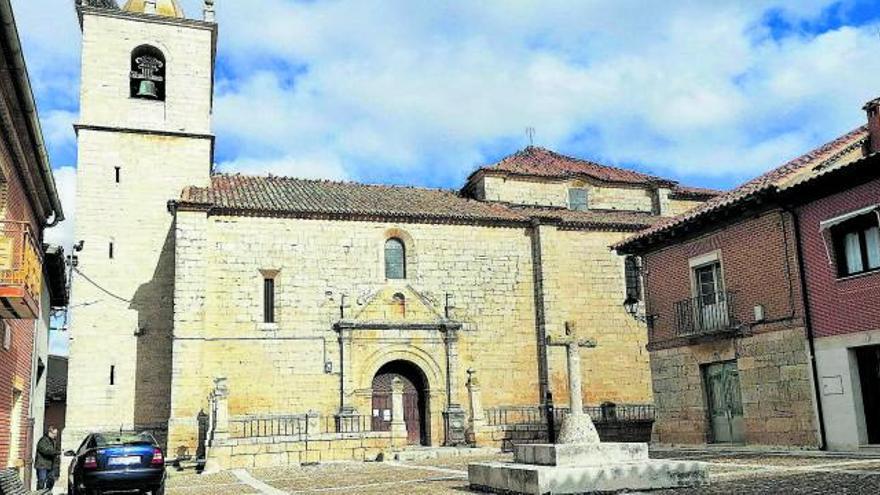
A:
{"x": 143, "y": 135}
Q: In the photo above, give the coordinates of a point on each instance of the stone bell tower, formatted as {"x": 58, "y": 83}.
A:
{"x": 144, "y": 134}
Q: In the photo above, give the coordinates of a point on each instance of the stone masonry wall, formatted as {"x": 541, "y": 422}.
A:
{"x": 775, "y": 383}
{"x": 555, "y": 193}
{"x": 108, "y": 41}
{"x": 584, "y": 285}
{"x": 280, "y": 368}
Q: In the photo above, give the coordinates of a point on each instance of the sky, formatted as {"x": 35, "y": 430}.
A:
{"x": 418, "y": 92}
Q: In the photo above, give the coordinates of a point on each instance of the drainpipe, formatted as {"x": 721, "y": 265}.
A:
{"x": 823, "y": 443}
{"x": 540, "y": 317}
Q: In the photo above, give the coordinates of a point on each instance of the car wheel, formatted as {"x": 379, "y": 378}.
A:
{"x": 160, "y": 490}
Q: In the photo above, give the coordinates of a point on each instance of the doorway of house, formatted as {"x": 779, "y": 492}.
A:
{"x": 415, "y": 404}
{"x": 724, "y": 402}
{"x": 869, "y": 375}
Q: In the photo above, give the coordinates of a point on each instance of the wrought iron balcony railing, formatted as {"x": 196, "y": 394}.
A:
{"x": 21, "y": 268}
{"x": 707, "y": 314}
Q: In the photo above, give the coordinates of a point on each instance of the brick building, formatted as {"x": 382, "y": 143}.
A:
{"x": 837, "y": 212}
{"x": 28, "y": 204}
{"x": 730, "y": 338}
{"x": 286, "y": 308}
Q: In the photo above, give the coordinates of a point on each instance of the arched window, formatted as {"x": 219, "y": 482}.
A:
{"x": 147, "y": 77}
{"x": 398, "y": 304}
{"x": 395, "y": 259}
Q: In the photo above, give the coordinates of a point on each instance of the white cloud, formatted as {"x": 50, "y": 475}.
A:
{"x": 421, "y": 92}
{"x": 307, "y": 167}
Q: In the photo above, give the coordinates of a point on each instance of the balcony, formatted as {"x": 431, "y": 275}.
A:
{"x": 21, "y": 263}
{"x": 709, "y": 314}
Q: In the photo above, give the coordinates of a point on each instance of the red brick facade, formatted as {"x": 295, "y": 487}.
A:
{"x": 759, "y": 264}
{"x": 838, "y": 305}
{"x": 16, "y": 363}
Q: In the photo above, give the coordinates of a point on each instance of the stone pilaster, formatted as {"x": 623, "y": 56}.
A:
{"x": 220, "y": 410}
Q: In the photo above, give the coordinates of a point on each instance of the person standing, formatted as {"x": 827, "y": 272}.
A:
{"x": 47, "y": 453}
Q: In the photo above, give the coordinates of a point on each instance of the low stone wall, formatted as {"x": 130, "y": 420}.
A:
{"x": 279, "y": 451}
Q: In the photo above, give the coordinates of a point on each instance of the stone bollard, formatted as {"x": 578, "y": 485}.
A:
{"x": 477, "y": 419}
{"x": 398, "y": 425}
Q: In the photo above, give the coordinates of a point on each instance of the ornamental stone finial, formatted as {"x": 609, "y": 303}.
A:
{"x": 210, "y": 15}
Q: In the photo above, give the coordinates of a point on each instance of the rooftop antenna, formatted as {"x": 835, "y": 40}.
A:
{"x": 530, "y": 132}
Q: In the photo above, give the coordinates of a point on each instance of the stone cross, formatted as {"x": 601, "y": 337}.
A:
{"x": 577, "y": 427}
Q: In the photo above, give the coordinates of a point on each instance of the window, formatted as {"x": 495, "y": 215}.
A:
{"x": 632, "y": 273}
{"x": 110, "y": 251}
{"x": 117, "y": 173}
{"x": 147, "y": 76}
{"x": 857, "y": 245}
{"x": 395, "y": 259}
{"x": 577, "y": 199}
{"x": 269, "y": 300}
{"x": 708, "y": 283}
{"x": 112, "y": 374}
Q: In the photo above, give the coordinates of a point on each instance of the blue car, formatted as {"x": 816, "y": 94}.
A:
{"x": 117, "y": 462}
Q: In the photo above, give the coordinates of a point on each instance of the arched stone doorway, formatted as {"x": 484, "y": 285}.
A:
{"x": 416, "y": 411}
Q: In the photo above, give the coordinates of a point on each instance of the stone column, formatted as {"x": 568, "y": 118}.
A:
{"x": 220, "y": 409}
{"x": 346, "y": 378}
{"x": 398, "y": 425}
{"x": 477, "y": 416}
{"x": 575, "y": 387}
{"x": 454, "y": 415}
{"x": 577, "y": 426}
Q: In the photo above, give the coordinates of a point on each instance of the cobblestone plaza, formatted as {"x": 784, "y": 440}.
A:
{"x": 732, "y": 472}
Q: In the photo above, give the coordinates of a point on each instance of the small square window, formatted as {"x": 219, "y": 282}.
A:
{"x": 577, "y": 199}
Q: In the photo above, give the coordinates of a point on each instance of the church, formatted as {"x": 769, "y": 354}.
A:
{"x": 286, "y": 308}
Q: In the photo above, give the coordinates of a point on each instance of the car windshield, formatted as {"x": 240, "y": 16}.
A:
{"x": 122, "y": 438}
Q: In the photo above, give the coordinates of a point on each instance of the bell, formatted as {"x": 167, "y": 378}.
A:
{"x": 147, "y": 89}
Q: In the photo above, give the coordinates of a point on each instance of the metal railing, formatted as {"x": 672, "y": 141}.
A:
{"x": 706, "y": 314}
{"x": 21, "y": 261}
{"x": 298, "y": 426}
{"x": 292, "y": 425}
{"x": 536, "y": 415}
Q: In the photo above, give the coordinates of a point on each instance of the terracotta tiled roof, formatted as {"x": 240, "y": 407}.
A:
{"x": 827, "y": 155}
{"x": 601, "y": 219}
{"x": 284, "y": 195}
{"x": 539, "y": 162}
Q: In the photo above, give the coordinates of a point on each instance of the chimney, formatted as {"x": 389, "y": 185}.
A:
{"x": 873, "y": 110}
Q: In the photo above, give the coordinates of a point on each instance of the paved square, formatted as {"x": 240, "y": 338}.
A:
{"x": 738, "y": 473}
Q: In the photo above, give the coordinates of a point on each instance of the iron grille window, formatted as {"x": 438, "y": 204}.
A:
{"x": 577, "y": 199}
{"x": 632, "y": 272}
{"x": 857, "y": 245}
{"x": 395, "y": 259}
{"x": 269, "y": 300}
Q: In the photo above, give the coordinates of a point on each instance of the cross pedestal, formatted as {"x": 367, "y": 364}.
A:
{"x": 577, "y": 426}
{"x": 580, "y": 462}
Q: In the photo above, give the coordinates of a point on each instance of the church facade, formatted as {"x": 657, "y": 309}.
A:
{"x": 279, "y": 298}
